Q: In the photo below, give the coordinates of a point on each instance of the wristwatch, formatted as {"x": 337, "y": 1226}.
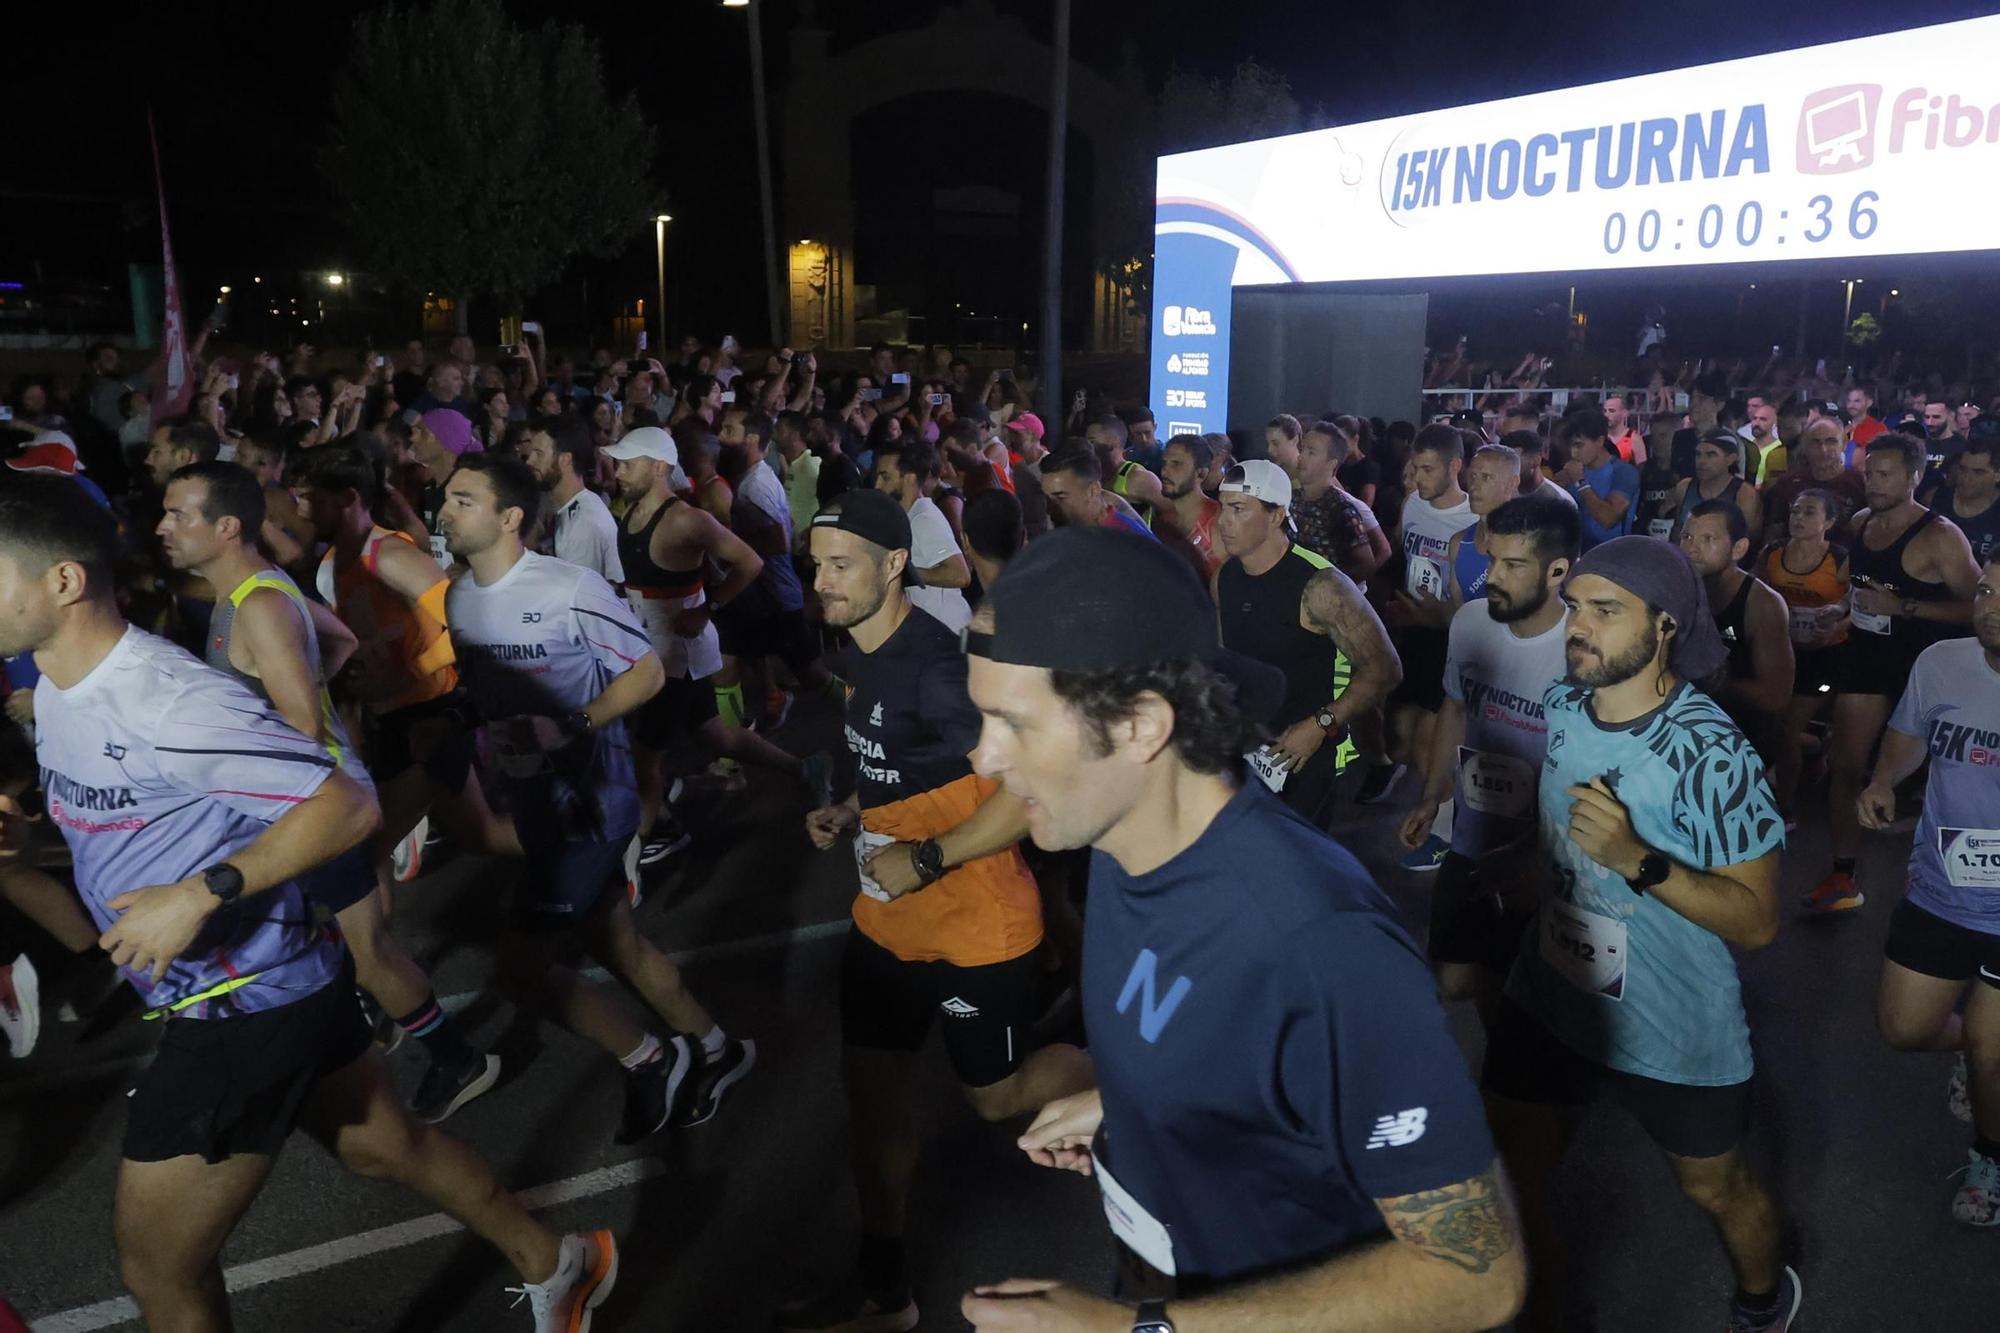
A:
{"x": 1330, "y": 724}
{"x": 225, "y": 881}
{"x": 928, "y": 860}
{"x": 1653, "y": 871}
{"x": 577, "y": 724}
{"x": 1152, "y": 1318}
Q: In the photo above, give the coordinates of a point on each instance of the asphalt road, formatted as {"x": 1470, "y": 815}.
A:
{"x": 721, "y": 1223}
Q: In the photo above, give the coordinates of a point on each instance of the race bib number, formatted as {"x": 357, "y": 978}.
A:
{"x": 865, "y": 845}
{"x": 1496, "y": 784}
{"x": 1586, "y": 949}
{"x": 1971, "y": 857}
{"x": 1426, "y": 576}
{"x": 1868, "y": 622}
{"x": 1131, "y": 1223}
{"x": 1270, "y": 769}
{"x": 1815, "y": 624}
{"x": 1663, "y": 528}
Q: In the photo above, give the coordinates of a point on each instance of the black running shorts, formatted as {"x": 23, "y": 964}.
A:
{"x": 1469, "y": 924}
{"x": 341, "y": 882}
{"x": 1526, "y": 1063}
{"x": 1925, "y": 942}
{"x": 436, "y": 734}
{"x": 675, "y": 713}
{"x": 563, "y": 882}
{"x": 887, "y": 1004}
{"x": 222, "y": 1086}
{"x": 1422, "y": 650}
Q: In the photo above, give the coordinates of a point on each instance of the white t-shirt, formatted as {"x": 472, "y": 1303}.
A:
{"x": 1427, "y": 533}
{"x": 1545, "y": 487}
{"x": 1500, "y": 678}
{"x": 587, "y": 535}
{"x": 931, "y": 544}
{"x": 761, "y": 487}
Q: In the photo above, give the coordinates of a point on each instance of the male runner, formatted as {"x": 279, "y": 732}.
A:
{"x": 562, "y": 453}
{"x": 936, "y": 561}
{"x": 665, "y": 544}
{"x": 1604, "y": 486}
{"x": 1662, "y": 845}
{"x": 1420, "y": 614}
{"x": 1282, "y": 1126}
{"x": 1187, "y": 458}
{"x": 1124, "y": 477}
{"x": 555, "y": 662}
{"x": 1288, "y": 608}
{"x": 1331, "y": 523}
{"x": 1819, "y": 467}
{"x": 174, "y": 446}
{"x": 1755, "y": 684}
{"x": 1946, "y": 931}
{"x": 266, "y": 632}
{"x": 1913, "y": 579}
{"x": 1492, "y": 478}
{"x": 1715, "y": 478}
{"x": 1072, "y": 482}
{"x": 191, "y": 810}
{"x": 948, "y": 918}
{"x": 391, "y": 593}
{"x": 1505, "y": 650}
{"x": 1972, "y": 501}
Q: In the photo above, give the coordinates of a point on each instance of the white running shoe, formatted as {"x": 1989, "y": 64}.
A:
{"x": 586, "y": 1271}
{"x": 407, "y": 861}
{"x": 20, "y": 1006}
{"x": 1957, "y": 1092}
{"x": 1977, "y": 1203}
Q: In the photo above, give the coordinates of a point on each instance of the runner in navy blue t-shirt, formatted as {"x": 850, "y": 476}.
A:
{"x": 1278, "y": 1091}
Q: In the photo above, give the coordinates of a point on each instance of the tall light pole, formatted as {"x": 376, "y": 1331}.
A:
{"x": 660, "y": 222}
{"x": 1052, "y": 223}
{"x": 1847, "y": 313}
{"x": 769, "y": 261}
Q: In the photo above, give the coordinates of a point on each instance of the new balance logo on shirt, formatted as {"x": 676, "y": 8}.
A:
{"x": 956, "y": 1007}
{"x": 1399, "y": 1130}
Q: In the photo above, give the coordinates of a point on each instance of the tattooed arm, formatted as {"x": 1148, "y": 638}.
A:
{"x": 1333, "y": 606}
{"x": 1454, "y": 1264}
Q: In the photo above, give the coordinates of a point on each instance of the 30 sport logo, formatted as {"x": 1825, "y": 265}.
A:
{"x": 531, "y": 617}
{"x": 1399, "y": 1130}
{"x": 1178, "y": 321}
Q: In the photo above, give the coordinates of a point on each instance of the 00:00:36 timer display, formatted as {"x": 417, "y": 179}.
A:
{"x": 1711, "y": 228}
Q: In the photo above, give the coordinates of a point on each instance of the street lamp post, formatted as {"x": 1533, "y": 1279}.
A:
{"x": 768, "y": 263}
{"x": 660, "y": 222}
{"x": 1847, "y": 314}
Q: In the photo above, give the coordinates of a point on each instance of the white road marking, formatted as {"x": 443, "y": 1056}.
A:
{"x": 14, "y": 1090}
{"x": 298, "y": 1263}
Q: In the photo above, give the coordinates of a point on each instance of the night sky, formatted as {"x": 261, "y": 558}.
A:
{"x": 240, "y": 93}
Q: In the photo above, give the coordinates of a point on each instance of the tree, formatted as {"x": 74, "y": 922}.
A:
{"x": 1197, "y": 111}
{"x": 472, "y": 156}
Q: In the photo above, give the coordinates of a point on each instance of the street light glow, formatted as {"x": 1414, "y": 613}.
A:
{"x": 736, "y": 4}
{"x": 663, "y": 217}
{"x": 334, "y": 279}
{"x": 225, "y": 291}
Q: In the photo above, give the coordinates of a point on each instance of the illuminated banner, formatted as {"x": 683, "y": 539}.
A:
{"x": 1884, "y": 145}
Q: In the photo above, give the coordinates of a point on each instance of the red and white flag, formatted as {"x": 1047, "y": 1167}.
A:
{"x": 173, "y": 375}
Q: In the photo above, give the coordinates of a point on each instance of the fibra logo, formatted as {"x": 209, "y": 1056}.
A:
{"x": 1190, "y": 321}
{"x": 958, "y": 1008}
{"x": 1840, "y": 128}
{"x": 1399, "y": 1130}
{"x": 875, "y": 717}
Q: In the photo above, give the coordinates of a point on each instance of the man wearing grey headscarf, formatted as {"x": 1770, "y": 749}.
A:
{"x": 1662, "y": 842}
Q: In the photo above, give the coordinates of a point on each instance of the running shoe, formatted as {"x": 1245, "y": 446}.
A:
{"x": 20, "y": 1006}
{"x": 777, "y": 708}
{"x": 1977, "y": 1203}
{"x": 406, "y": 862}
{"x": 1958, "y": 1090}
{"x": 716, "y": 1075}
{"x": 668, "y": 839}
{"x": 1428, "y": 856}
{"x": 1791, "y": 1293}
{"x": 654, "y": 1091}
{"x": 816, "y": 772}
{"x": 445, "y": 1089}
{"x": 1377, "y": 783}
{"x": 586, "y": 1271}
{"x": 849, "y": 1312}
{"x": 1835, "y": 894}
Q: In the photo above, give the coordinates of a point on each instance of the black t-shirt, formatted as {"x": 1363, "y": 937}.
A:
{"x": 1269, "y": 1046}
{"x": 910, "y": 722}
{"x": 1982, "y": 530}
{"x": 1356, "y": 474}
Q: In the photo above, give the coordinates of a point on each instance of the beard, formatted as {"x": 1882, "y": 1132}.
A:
{"x": 1510, "y": 611}
{"x": 1617, "y": 670}
{"x": 845, "y": 613}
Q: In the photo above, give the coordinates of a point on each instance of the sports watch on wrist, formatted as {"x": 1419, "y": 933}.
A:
{"x": 1329, "y": 724}
{"x": 1653, "y": 871}
{"x": 928, "y": 860}
{"x": 1152, "y": 1318}
{"x": 225, "y": 881}
{"x": 577, "y": 724}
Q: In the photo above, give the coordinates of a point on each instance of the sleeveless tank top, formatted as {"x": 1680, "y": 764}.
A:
{"x": 405, "y": 658}
{"x": 658, "y": 594}
{"x": 1121, "y": 485}
{"x": 1884, "y": 569}
{"x": 1815, "y": 601}
{"x": 1470, "y": 565}
{"x": 222, "y": 633}
{"x": 1260, "y": 619}
{"x": 642, "y": 575}
{"x": 1730, "y": 622}
{"x": 1694, "y": 498}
